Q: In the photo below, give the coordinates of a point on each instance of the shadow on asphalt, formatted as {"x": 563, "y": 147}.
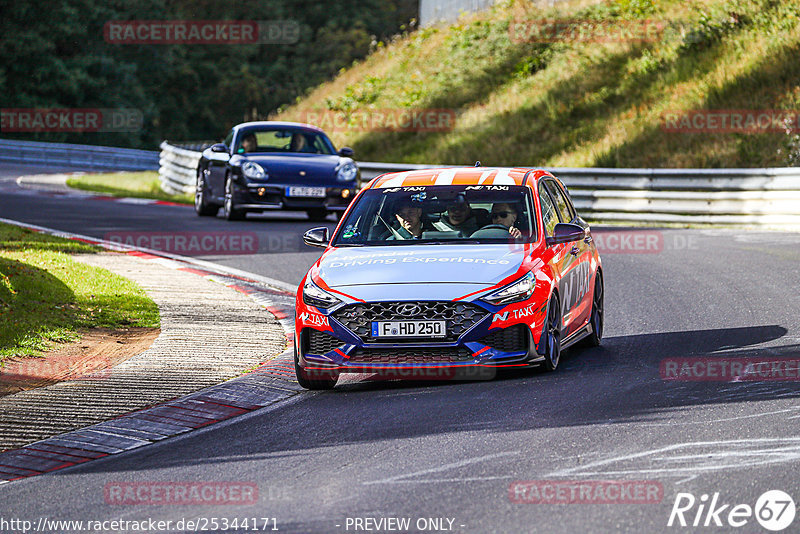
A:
{"x": 618, "y": 382}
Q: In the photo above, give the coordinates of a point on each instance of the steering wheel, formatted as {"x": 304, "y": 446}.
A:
{"x": 495, "y": 227}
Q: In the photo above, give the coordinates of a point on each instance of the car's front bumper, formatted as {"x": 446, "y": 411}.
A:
{"x": 262, "y": 196}
{"x": 326, "y": 343}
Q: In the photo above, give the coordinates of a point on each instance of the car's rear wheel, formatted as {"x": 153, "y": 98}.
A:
{"x": 201, "y": 205}
{"x": 597, "y": 318}
{"x": 317, "y": 214}
{"x": 231, "y": 213}
{"x": 313, "y": 379}
{"x": 552, "y": 342}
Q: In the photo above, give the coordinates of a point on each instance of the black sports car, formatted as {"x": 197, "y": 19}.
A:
{"x": 275, "y": 165}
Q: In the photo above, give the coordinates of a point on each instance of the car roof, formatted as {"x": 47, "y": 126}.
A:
{"x": 460, "y": 176}
{"x": 278, "y": 124}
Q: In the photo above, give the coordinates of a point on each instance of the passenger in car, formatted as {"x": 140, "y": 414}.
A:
{"x": 506, "y": 215}
{"x": 461, "y": 217}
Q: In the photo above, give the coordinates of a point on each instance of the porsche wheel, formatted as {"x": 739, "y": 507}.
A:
{"x": 317, "y": 214}
{"x": 201, "y": 205}
{"x": 231, "y": 213}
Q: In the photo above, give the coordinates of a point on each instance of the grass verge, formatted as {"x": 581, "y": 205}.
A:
{"x": 574, "y": 102}
{"x": 46, "y": 296}
{"x": 143, "y": 184}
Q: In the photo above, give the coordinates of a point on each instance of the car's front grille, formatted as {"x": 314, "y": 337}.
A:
{"x": 460, "y": 316}
{"x": 412, "y": 355}
{"x": 511, "y": 339}
{"x": 321, "y": 343}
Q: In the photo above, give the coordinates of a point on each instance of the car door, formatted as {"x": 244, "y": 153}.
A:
{"x": 550, "y": 218}
{"x": 575, "y": 266}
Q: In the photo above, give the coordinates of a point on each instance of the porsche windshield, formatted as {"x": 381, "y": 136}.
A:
{"x": 293, "y": 140}
{"x": 432, "y": 214}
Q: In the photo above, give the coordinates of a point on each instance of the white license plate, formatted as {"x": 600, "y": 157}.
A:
{"x": 409, "y": 329}
{"x": 301, "y": 191}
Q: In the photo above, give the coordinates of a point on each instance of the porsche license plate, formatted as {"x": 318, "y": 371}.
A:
{"x": 409, "y": 329}
{"x": 303, "y": 191}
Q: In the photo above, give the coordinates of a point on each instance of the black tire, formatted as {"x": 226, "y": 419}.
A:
{"x": 319, "y": 380}
{"x": 597, "y": 319}
{"x": 552, "y": 332}
{"x": 229, "y": 208}
{"x": 201, "y": 205}
{"x": 317, "y": 214}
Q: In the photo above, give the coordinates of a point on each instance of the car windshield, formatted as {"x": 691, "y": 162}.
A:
{"x": 294, "y": 140}
{"x": 433, "y": 214}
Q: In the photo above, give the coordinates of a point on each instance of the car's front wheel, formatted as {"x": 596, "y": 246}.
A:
{"x": 552, "y": 332}
{"x": 317, "y": 214}
{"x": 313, "y": 379}
{"x": 201, "y": 204}
{"x": 231, "y": 213}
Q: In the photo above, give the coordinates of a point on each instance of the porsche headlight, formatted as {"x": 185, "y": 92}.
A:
{"x": 253, "y": 170}
{"x": 347, "y": 172}
{"x": 513, "y": 292}
{"x": 314, "y": 296}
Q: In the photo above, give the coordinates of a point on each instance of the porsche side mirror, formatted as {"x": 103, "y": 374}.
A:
{"x": 346, "y": 152}
{"x": 316, "y": 237}
{"x": 566, "y": 233}
{"x": 219, "y": 147}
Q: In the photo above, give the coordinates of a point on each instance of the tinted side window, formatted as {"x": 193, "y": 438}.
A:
{"x": 549, "y": 213}
{"x": 563, "y": 206}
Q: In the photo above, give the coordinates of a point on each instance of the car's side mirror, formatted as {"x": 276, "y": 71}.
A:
{"x": 316, "y": 237}
{"x": 566, "y": 233}
{"x": 219, "y": 147}
{"x": 346, "y": 152}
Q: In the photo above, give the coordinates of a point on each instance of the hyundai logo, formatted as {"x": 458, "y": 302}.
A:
{"x": 408, "y": 309}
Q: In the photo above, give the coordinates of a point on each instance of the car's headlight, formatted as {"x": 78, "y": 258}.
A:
{"x": 314, "y": 296}
{"x": 513, "y": 292}
{"x": 251, "y": 169}
{"x": 347, "y": 172}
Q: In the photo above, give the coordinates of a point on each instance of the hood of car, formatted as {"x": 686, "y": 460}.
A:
{"x": 296, "y": 167}
{"x": 419, "y": 264}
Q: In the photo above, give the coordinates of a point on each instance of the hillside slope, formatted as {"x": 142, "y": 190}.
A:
{"x": 596, "y": 101}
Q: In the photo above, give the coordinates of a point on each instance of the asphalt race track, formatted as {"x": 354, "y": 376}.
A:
{"x": 428, "y": 450}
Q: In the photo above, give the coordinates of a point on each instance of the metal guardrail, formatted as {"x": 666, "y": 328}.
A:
{"x": 88, "y": 157}
{"x": 768, "y": 197}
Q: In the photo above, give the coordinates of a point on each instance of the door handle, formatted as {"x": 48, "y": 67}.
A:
{"x": 574, "y": 251}
{"x": 588, "y": 239}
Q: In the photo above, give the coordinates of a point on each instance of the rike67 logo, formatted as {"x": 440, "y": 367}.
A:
{"x": 774, "y": 510}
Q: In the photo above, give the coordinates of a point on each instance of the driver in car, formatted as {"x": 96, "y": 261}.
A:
{"x": 249, "y": 143}
{"x": 409, "y": 215}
